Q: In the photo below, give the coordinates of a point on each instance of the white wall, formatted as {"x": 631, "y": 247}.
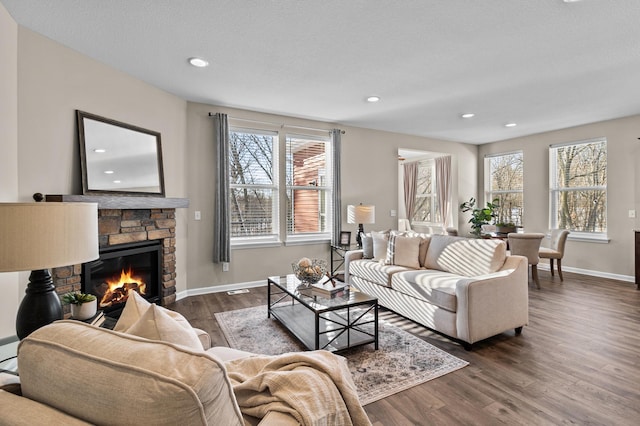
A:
{"x": 623, "y": 151}
{"x": 9, "y": 158}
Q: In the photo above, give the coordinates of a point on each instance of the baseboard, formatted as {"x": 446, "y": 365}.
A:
{"x": 619, "y": 277}
{"x": 219, "y": 289}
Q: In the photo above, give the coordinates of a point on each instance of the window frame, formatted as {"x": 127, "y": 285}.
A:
{"x": 597, "y": 236}
{"x": 435, "y": 211}
{"x": 273, "y": 237}
{"x": 489, "y": 193}
{"x": 292, "y": 238}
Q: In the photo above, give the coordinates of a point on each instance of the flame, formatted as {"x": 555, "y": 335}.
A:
{"x": 119, "y": 289}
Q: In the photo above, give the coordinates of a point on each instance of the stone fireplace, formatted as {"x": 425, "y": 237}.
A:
{"x": 130, "y": 225}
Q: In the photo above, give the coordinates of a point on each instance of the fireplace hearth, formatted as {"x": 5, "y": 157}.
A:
{"x": 122, "y": 269}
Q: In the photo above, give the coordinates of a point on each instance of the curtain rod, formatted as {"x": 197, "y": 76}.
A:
{"x": 281, "y": 125}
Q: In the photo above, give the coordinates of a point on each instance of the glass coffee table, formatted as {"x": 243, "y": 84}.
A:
{"x": 333, "y": 323}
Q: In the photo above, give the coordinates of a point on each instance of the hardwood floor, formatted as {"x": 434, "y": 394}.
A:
{"x": 577, "y": 362}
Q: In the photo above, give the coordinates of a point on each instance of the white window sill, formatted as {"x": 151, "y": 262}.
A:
{"x": 293, "y": 240}
{"x": 240, "y": 245}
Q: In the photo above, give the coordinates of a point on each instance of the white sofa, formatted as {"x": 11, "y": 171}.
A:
{"x": 467, "y": 289}
{"x": 159, "y": 370}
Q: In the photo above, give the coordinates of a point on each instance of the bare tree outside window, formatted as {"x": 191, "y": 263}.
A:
{"x": 252, "y": 183}
{"x": 505, "y": 182}
{"x": 426, "y": 206}
{"x": 579, "y": 186}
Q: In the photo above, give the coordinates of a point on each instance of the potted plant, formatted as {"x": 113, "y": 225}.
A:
{"x": 505, "y": 227}
{"x": 83, "y": 306}
{"x": 480, "y": 216}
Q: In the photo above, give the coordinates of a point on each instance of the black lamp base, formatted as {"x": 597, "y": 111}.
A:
{"x": 40, "y": 306}
{"x": 359, "y": 235}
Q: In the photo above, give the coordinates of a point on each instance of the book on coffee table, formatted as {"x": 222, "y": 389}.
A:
{"x": 329, "y": 287}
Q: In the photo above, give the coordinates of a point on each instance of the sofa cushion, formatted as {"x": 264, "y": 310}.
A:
{"x": 436, "y": 287}
{"x": 156, "y": 324}
{"x": 367, "y": 245}
{"x": 425, "y": 239}
{"x": 403, "y": 251}
{"x": 136, "y": 306}
{"x": 72, "y": 366}
{"x": 465, "y": 256}
{"x": 374, "y": 271}
{"x": 380, "y": 241}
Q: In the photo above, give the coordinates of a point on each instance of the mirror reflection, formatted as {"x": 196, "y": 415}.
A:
{"x": 118, "y": 157}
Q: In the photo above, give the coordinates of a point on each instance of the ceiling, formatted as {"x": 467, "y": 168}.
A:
{"x": 542, "y": 64}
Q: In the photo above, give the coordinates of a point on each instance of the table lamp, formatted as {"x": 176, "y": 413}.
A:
{"x": 39, "y": 236}
{"x": 361, "y": 214}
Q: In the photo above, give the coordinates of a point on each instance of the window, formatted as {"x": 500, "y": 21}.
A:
{"x": 504, "y": 182}
{"x": 426, "y": 204}
{"x": 578, "y": 186}
{"x": 253, "y": 184}
{"x": 274, "y": 178}
{"x": 309, "y": 187}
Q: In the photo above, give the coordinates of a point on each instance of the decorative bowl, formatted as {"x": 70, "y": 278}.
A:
{"x": 309, "y": 271}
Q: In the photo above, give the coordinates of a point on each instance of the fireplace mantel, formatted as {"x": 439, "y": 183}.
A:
{"x": 122, "y": 202}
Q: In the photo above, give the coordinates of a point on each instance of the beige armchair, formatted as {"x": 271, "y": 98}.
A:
{"x": 556, "y": 249}
{"x": 528, "y": 245}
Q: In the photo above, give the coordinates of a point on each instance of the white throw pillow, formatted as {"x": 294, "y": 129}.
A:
{"x": 403, "y": 251}
{"x": 156, "y": 324}
{"x": 380, "y": 240}
{"x": 136, "y": 306}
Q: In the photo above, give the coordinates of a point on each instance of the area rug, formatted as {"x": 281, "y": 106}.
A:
{"x": 402, "y": 361}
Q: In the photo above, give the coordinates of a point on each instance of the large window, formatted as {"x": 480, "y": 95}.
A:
{"x": 504, "y": 182}
{"x": 308, "y": 185}
{"x": 426, "y": 204}
{"x": 280, "y": 187}
{"x": 253, "y": 184}
{"x": 578, "y": 186}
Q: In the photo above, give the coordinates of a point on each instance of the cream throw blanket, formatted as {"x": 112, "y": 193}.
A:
{"x": 315, "y": 387}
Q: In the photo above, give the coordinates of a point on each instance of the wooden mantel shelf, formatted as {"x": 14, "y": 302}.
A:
{"x": 122, "y": 202}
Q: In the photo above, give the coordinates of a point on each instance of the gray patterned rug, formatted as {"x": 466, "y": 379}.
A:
{"x": 403, "y": 360}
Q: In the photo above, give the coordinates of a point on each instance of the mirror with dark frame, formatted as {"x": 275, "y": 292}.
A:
{"x": 119, "y": 158}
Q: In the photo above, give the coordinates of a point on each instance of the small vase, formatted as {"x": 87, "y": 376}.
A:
{"x": 85, "y": 310}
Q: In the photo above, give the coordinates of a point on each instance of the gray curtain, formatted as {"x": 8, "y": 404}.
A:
{"x": 337, "y": 194}
{"x": 410, "y": 185}
{"x": 443, "y": 188}
{"x": 221, "y": 231}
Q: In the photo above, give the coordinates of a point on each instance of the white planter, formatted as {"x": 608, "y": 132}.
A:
{"x": 84, "y": 311}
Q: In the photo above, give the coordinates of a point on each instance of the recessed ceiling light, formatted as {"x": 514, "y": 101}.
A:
{"x": 100, "y": 150}
{"x": 468, "y": 115}
{"x": 571, "y": 1}
{"x": 198, "y": 62}
{"x": 108, "y": 172}
{"x": 116, "y": 181}
{"x": 373, "y": 99}
{"x": 510, "y": 125}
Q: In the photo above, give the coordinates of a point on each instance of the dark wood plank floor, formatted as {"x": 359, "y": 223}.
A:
{"x": 577, "y": 362}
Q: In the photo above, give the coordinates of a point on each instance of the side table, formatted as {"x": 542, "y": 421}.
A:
{"x": 337, "y": 256}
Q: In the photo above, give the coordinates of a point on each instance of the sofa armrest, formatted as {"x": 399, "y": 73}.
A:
{"x": 495, "y": 303}
{"x": 18, "y": 410}
{"x": 348, "y": 257}
{"x": 204, "y": 338}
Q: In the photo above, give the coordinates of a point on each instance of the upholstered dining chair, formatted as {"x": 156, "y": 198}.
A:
{"x": 527, "y": 244}
{"x": 555, "y": 251}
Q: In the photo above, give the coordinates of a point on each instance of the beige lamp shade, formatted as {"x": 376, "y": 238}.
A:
{"x": 37, "y": 236}
{"x": 365, "y": 214}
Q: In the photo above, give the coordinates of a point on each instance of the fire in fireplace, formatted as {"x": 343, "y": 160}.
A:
{"x": 122, "y": 269}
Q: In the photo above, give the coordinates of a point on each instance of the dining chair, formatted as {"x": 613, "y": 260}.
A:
{"x": 527, "y": 244}
{"x": 555, "y": 251}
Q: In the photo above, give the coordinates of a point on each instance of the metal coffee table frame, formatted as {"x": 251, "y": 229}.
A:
{"x": 323, "y": 322}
